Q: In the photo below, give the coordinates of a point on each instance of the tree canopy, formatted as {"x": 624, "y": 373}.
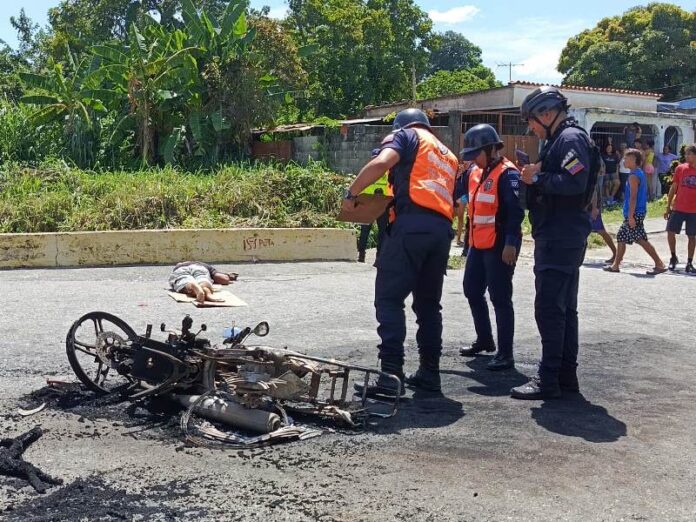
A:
{"x": 444, "y": 83}
{"x": 650, "y": 48}
{"x": 363, "y": 52}
{"x": 453, "y": 51}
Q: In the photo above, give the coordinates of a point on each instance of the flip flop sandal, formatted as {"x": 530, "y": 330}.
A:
{"x": 611, "y": 269}
{"x": 656, "y": 271}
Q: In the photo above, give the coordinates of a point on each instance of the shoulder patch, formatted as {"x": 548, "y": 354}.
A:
{"x": 571, "y": 163}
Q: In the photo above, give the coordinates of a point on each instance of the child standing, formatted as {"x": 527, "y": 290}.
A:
{"x": 634, "y": 211}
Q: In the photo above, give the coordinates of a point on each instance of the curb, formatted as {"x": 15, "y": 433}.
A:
{"x": 152, "y": 247}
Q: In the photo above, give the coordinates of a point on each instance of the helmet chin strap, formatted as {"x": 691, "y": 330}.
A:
{"x": 548, "y": 128}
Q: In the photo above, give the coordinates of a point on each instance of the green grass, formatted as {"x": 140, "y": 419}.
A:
{"x": 55, "y": 198}
{"x": 615, "y": 213}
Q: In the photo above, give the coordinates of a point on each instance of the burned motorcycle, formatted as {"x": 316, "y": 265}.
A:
{"x": 253, "y": 388}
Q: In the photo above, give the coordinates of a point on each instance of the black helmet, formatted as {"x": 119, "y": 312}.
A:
{"x": 541, "y": 100}
{"x": 478, "y": 137}
{"x": 410, "y": 117}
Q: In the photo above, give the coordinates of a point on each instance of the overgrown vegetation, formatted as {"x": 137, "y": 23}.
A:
{"x": 648, "y": 48}
{"x": 56, "y": 198}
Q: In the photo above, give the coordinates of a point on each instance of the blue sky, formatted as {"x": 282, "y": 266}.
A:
{"x": 529, "y": 33}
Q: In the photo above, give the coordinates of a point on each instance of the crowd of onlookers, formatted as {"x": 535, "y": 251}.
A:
{"x": 634, "y": 176}
{"x": 656, "y": 165}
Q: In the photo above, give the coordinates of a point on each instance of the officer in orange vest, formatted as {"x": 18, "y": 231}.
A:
{"x": 495, "y": 237}
{"x": 413, "y": 259}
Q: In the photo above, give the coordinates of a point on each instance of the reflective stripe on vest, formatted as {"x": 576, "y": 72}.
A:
{"x": 484, "y": 203}
{"x": 431, "y": 182}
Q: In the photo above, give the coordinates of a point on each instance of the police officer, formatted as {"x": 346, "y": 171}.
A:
{"x": 558, "y": 191}
{"x": 495, "y": 237}
{"x": 413, "y": 259}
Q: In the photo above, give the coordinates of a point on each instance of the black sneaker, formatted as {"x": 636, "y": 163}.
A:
{"x": 477, "y": 347}
{"x": 690, "y": 269}
{"x": 673, "y": 261}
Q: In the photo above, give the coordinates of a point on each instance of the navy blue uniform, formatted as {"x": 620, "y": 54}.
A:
{"x": 485, "y": 268}
{"x": 413, "y": 260}
{"x": 560, "y": 227}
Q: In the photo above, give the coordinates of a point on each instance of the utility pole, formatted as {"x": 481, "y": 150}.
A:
{"x": 510, "y": 66}
{"x": 414, "y": 84}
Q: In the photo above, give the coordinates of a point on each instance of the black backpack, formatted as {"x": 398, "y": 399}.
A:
{"x": 595, "y": 170}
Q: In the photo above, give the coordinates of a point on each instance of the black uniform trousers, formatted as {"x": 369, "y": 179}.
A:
{"x": 485, "y": 269}
{"x": 382, "y": 223}
{"x": 413, "y": 260}
{"x": 557, "y": 272}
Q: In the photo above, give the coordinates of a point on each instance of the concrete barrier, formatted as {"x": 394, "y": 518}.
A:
{"x": 135, "y": 247}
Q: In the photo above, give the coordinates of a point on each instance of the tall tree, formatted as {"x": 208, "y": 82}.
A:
{"x": 646, "y": 48}
{"x": 366, "y": 52}
{"x": 452, "y": 52}
{"x": 10, "y": 65}
{"x": 83, "y": 23}
{"x": 30, "y": 36}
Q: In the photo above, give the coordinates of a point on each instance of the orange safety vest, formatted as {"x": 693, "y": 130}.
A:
{"x": 431, "y": 182}
{"x": 484, "y": 203}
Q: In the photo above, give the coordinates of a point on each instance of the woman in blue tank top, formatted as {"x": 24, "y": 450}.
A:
{"x": 634, "y": 210}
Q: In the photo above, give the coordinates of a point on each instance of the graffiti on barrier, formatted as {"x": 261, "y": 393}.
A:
{"x": 254, "y": 243}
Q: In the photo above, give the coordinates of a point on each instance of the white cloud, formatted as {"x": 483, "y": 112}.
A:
{"x": 535, "y": 42}
{"x": 453, "y": 16}
{"x": 278, "y": 12}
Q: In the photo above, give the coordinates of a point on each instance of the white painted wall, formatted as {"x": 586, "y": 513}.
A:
{"x": 659, "y": 122}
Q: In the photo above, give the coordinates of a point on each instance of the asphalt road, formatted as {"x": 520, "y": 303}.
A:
{"x": 623, "y": 450}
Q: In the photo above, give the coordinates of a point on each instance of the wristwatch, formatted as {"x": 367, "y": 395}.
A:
{"x": 347, "y": 195}
{"x": 535, "y": 178}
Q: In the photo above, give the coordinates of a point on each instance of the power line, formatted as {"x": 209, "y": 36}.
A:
{"x": 510, "y": 65}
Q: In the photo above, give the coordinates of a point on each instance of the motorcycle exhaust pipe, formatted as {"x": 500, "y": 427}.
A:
{"x": 232, "y": 413}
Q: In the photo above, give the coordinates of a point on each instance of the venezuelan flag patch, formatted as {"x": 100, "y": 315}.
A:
{"x": 574, "y": 166}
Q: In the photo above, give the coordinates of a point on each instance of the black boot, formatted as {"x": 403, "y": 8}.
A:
{"x": 361, "y": 256}
{"x": 568, "y": 380}
{"x": 673, "y": 262}
{"x": 478, "y": 347}
{"x": 427, "y": 377}
{"x": 384, "y": 386}
{"x": 501, "y": 361}
{"x": 535, "y": 391}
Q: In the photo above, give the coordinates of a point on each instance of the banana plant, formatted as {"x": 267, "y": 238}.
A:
{"x": 154, "y": 74}
{"x": 67, "y": 98}
{"x": 222, "y": 50}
